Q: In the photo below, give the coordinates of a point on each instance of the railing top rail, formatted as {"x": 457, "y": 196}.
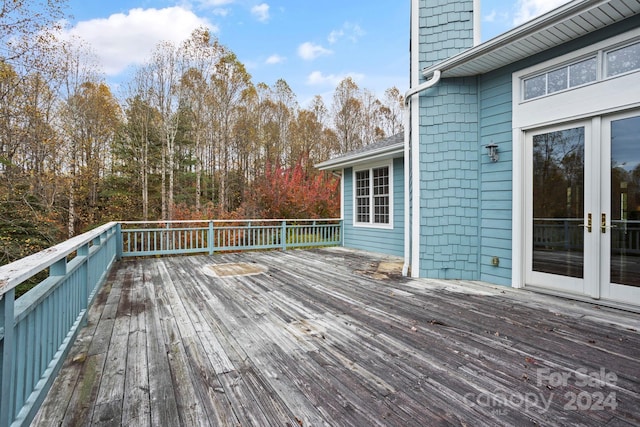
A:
{"x": 18, "y": 271}
{"x": 226, "y": 221}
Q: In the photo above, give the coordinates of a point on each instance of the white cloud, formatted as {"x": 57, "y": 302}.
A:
{"x": 495, "y": 17}
{"x": 318, "y": 78}
{"x": 309, "y": 51}
{"x": 214, "y": 3}
{"x": 275, "y": 59}
{"x": 529, "y": 9}
{"x": 353, "y": 32}
{"x": 215, "y": 6}
{"x": 261, "y": 12}
{"x": 122, "y": 40}
{"x": 219, "y": 11}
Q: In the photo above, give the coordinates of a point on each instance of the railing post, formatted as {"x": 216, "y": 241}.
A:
{"x": 6, "y": 352}
{"x": 119, "y": 241}
{"x": 341, "y": 228}
{"x": 58, "y": 268}
{"x": 83, "y": 251}
{"x": 166, "y": 244}
{"x": 283, "y": 235}
{"x": 210, "y": 238}
{"x": 316, "y": 233}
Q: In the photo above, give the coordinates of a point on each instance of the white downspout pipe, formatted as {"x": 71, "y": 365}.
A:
{"x": 411, "y": 166}
{"x": 411, "y": 141}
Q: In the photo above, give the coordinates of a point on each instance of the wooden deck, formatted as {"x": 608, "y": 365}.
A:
{"x": 327, "y": 338}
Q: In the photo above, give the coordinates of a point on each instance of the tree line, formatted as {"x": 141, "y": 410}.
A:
{"x": 191, "y": 137}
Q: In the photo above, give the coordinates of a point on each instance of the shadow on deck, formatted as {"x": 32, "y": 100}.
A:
{"x": 324, "y": 337}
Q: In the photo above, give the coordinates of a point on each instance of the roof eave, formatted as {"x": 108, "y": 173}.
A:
{"x": 360, "y": 158}
{"x": 521, "y": 32}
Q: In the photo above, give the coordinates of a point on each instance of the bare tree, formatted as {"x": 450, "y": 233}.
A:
{"x": 390, "y": 112}
{"x": 165, "y": 70}
{"x": 77, "y": 69}
{"x": 229, "y": 85}
{"x": 348, "y": 115}
{"x": 201, "y": 53}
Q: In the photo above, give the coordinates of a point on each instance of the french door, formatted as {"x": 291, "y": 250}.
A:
{"x": 583, "y": 208}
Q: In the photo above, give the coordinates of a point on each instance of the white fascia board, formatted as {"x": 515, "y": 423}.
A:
{"x": 388, "y": 152}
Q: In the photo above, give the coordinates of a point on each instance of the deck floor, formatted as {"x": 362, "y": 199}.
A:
{"x": 326, "y": 338}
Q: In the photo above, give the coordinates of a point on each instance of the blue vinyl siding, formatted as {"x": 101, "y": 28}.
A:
{"x": 495, "y": 98}
{"x": 387, "y": 241}
{"x": 495, "y": 178}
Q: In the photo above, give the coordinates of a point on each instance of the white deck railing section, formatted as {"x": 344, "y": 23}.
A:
{"x": 38, "y": 329}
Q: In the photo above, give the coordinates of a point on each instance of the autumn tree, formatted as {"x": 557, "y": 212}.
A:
{"x": 165, "y": 71}
{"x": 348, "y": 115}
{"x": 28, "y": 161}
{"x": 140, "y": 140}
{"x": 310, "y": 140}
{"x": 230, "y": 84}
{"x": 201, "y": 53}
{"x": 28, "y": 185}
{"x": 391, "y": 111}
{"x": 88, "y": 119}
{"x": 27, "y": 28}
{"x": 291, "y": 193}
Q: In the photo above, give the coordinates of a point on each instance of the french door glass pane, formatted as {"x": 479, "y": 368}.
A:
{"x": 558, "y": 202}
{"x": 625, "y": 201}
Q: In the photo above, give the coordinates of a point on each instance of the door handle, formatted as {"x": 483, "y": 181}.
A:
{"x": 603, "y": 223}
{"x": 589, "y": 223}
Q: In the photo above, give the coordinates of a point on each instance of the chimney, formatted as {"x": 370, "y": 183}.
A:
{"x": 446, "y": 28}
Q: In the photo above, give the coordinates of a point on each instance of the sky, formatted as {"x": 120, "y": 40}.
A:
{"x": 312, "y": 45}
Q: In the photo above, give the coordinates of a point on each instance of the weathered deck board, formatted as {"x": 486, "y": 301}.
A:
{"x": 322, "y": 338}
{"x": 136, "y": 409}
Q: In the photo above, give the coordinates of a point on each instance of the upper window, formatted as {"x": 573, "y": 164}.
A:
{"x": 623, "y": 60}
{"x": 616, "y": 61}
{"x": 568, "y": 76}
{"x": 372, "y": 194}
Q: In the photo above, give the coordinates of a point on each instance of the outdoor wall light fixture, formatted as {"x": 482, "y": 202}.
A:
{"x": 492, "y": 151}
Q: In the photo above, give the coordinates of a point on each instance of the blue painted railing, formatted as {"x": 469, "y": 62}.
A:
{"x": 184, "y": 237}
{"x": 38, "y": 329}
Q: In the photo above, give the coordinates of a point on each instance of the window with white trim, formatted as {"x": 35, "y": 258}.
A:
{"x": 612, "y": 62}
{"x": 373, "y": 196}
{"x": 568, "y": 76}
{"x": 623, "y": 60}
{"x": 363, "y": 196}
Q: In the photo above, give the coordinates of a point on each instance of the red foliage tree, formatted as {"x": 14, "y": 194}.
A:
{"x": 291, "y": 193}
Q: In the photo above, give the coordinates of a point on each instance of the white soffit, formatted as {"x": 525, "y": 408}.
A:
{"x": 561, "y": 25}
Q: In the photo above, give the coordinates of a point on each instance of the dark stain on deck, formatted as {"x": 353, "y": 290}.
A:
{"x": 336, "y": 337}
